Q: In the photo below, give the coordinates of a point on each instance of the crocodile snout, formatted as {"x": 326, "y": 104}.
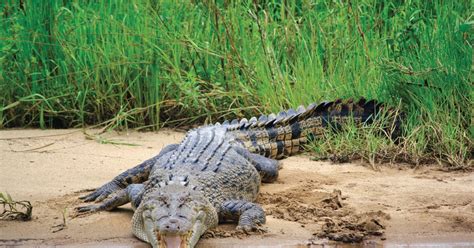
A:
{"x": 172, "y": 225}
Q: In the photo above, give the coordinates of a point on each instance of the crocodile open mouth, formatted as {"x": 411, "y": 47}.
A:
{"x": 174, "y": 241}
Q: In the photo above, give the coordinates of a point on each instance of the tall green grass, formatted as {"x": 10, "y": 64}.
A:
{"x": 150, "y": 63}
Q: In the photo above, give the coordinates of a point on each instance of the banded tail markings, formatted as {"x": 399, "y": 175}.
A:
{"x": 294, "y": 128}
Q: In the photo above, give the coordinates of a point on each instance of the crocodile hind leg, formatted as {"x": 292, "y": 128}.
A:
{"x": 137, "y": 174}
{"x": 267, "y": 167}
{"x": 133, "y": 193}
{"x": 250, "y": 215}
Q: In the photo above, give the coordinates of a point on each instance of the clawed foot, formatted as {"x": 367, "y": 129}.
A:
{"x": 110, "y": 196}
{"x": 101, "y": 193}
{"x": 87, "y": 209}
{"x": 248, "y": 229}
{"x": 97, "y": 195}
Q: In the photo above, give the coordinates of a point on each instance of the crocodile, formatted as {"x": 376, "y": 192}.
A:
{"x": 214, "y": 174}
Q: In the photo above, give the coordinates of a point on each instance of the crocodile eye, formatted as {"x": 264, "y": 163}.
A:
{"x": 183, "y": 200}
{"x": 163, "y": 198}
{"x": 148, "y": 207}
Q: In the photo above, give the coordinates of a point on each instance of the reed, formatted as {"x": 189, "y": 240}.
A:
{"x": 154, "y": 63}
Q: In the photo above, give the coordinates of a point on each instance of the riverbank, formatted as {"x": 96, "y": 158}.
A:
{"x": 310, "y": 202}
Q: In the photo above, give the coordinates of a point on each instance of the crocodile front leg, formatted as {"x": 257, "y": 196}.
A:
{"x": 137, "y": 174}
{"x": 250, "y": 215}
{"x": 133, "y": 193}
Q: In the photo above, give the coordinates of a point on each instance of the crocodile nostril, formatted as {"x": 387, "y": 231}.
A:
{"x": 172, "y": 225}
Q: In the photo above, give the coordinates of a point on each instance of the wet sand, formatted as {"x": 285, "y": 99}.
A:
{"x": 310, "y": 203}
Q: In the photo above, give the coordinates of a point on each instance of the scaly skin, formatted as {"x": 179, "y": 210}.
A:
{"x": 214, "y": 174}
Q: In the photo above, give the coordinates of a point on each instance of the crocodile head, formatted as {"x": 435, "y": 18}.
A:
{"x": 174, "y": 216}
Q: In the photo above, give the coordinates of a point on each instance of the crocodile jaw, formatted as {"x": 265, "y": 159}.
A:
{"x": 174, "y": 241}
{"x": 188, "y": 240}
{"x": 138, "y": 228}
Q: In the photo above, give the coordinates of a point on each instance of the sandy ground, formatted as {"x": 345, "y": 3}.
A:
{"x": 311, "y": 203}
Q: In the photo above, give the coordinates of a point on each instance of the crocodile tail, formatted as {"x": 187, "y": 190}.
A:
{"x": 286, "y": 133}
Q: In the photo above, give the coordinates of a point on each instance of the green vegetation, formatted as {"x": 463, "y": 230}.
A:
{"x": 14, "y": 210}
{"x": 150, "y": 63}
